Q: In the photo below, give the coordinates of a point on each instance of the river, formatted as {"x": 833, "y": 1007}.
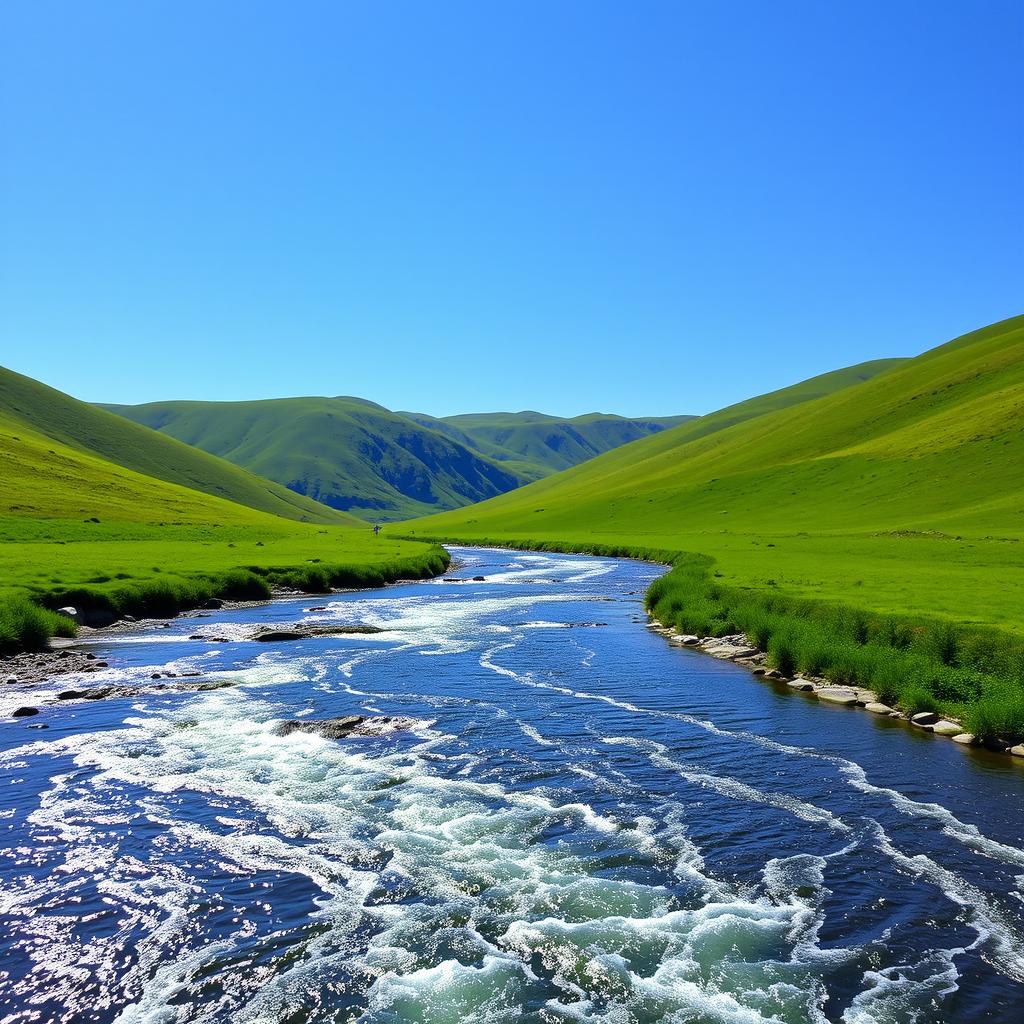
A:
{"x": 584, "y": 824}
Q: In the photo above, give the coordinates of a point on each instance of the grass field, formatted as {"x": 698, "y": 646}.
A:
{"x": 900, "y": 497}
{"x": 79, "y": 529}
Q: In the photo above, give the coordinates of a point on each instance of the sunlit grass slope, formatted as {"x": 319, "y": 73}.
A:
{"x": 902, "y": 494}
{"x": 78, "y": 529}
{"x": 84, "y": 427}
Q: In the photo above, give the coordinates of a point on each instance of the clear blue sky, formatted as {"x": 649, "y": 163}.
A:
{"x": 645, "y": 207}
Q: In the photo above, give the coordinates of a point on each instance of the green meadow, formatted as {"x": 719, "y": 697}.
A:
{"x": 868, "y": 526}
{"x": 77, "y": 528}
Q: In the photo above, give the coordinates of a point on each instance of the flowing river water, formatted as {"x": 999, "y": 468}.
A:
{"x": 584, "y": 824}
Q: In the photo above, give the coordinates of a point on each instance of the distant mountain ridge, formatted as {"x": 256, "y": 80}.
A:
{"x": 357, "y": 456}
{"x": 537, "y": 444}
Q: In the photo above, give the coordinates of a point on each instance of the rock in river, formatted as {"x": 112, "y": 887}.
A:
{"x": 349, "y": 725}
{"x": 303, "y": 631}
{"x": 24, "y": 712}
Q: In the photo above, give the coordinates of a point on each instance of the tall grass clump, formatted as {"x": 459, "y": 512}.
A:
{"x": 25, "y": 626}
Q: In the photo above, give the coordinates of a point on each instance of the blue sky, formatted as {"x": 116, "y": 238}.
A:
{"x": 646, "y": 208}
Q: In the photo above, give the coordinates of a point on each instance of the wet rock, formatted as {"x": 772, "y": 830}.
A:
{"x": 39, "y": 725}
{"x": 878, "y": 708}
{"x": 774, "y": 673}
{"x": 129, "y": 618}
{"x": 155, "y": 675}
{"x": 479, "y": 579}
{"x": 90, "y": 657}
{"x": 329, "y": 728}
{"x": 24, "y": 712}
{"x": 946, "y": 728}
{"x": 11, "y": 679}
{"x": 837, "y": 695}
{"x": 804, "y": 685}
{"x": 306, "y": 632}
{"x": 213, "y": 604}
{"x": 968, "y": 739}
{"x": 759, "y": 671}
{"x": 1017, "y": 751}
{"x": 923, "y": 718}
{"x": 71, "y": 694}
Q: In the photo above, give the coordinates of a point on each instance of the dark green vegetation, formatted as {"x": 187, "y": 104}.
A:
{"x": 25, "y": 403}
{"x": 895, "y": 499}
{"x": 78, "y": 528}
{"x": 360, "y": 457}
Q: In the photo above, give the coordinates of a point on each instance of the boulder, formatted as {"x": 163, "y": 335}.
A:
{"x": 303, "y": 631}
{"x": 72, "y": 613}
{"x": 11, "y": 679}
{"x": 1018, "y": 750}
{"x": 946, "y": 728}
{"x": 329, "y": 728}
{"x": 924, "y": 718}
{"x": 24, "y": 712}
{"x": 213, "y": 604}
{"x": 759, "y": 671}
{"x": 479, "y": 579}
{"x": 837, "y": 695}
{"x": 866, "y": 697}
{"x": 968, "y": 739}
{"x": 878, "y": 708}
{"x": 774, "y": 673}
{"x": 803, "y": 685}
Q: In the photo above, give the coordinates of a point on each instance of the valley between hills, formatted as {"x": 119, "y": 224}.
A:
{"x": 864, "y": 525}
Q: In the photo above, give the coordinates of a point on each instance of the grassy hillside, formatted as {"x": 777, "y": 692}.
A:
{"x": 79, "y": 529}
{"x": 900, "y": 495}
{"x": 344, "y": 452}
{"x": 535, "y": 445}
{"x": 354, "y": 455}
{"x": 83, "y": 427}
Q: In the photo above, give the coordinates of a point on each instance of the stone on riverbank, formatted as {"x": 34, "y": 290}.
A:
{"x": 1018, "y": 750}
{"x": 837, "y": 695}
{"x": 878, "y": 708}
{"x": 968, "y": 739}
{"x": 924, "y": 718}
{"x": 946, "y": 728}
{"x": 803, "y": 685}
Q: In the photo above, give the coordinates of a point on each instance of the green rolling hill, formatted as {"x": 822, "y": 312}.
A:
{"x": 901, "y": 494}
{"x": 536, "y": 445}
{"x": 354, "y": 455}
{"x": 84, "y": 428}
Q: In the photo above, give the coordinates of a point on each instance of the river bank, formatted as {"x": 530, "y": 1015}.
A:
{"x": 738, "y": 649}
